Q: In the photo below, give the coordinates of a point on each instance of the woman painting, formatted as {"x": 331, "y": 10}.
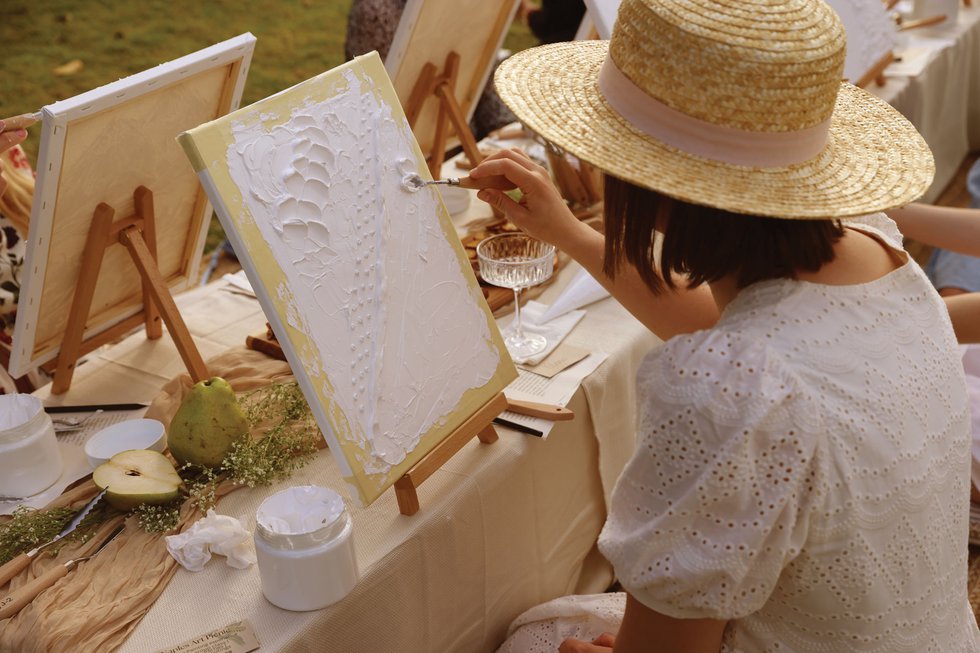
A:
{"x": 801, "y": 474}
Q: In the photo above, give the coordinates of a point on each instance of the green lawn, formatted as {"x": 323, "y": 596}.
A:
{"x": 297, "y": 39}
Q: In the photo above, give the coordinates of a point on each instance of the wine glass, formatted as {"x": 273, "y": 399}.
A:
{"x": 517, "y": 261}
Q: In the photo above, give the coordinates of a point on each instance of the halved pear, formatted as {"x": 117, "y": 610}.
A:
{"x": 137, "y": 476}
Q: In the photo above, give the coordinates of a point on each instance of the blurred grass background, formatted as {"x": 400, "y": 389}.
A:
{"x": 296, "y": 39}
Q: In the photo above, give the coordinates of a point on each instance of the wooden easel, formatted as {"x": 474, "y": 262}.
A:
{"x": 480, "y": 424}
{"x": 876, "y": 73}
{"x": 138, "y": 234}
{"x": 441, "y": 85}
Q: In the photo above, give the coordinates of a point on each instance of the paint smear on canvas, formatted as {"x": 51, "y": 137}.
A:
{"x": 385, "y": 303}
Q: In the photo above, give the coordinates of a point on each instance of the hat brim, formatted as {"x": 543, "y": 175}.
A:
{"x": 874, "y": 159}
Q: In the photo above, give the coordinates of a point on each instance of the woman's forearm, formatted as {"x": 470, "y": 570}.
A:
{"x": 947, "y": 227}
{"x": 964, "y": 313}
{"x": 668, "y": 314}
{"x": 646, "y": 631}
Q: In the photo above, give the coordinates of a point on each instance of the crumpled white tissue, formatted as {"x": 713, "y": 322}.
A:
{"x": 212, "y": 533}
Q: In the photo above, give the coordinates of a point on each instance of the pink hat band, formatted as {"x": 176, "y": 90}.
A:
{"x": 709, "y": 140}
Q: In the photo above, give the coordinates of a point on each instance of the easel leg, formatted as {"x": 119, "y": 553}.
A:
{"x": 488, "y": 435}
{"x": 143, "y": 201}
{"x": 81, "y": 303}
{"x": 444, "y": 87}
{"x": 420, "y": 93}
{"x": 438, "y": 156}
{"x": 462, "y": 128}
{"x": 133, "y": 240}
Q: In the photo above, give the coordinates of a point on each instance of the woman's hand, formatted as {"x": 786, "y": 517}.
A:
{"x": 12, "y": 132}
{"x": 541, "y": 211}
{"x": 601, "y": 644}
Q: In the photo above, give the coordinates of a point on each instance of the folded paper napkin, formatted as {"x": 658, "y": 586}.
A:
{"x": 212, "y": 533}
{"x": 581, "y": 291}
{"x": 554, "y": 330}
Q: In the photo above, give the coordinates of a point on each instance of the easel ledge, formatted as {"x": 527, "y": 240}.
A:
{"x": 480, "y": 424}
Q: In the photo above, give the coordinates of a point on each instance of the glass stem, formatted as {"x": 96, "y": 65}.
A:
{"x": 518, "y": 327}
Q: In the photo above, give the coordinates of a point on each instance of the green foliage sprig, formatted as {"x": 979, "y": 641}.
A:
{"x": 29, "y": 527}
{"x": 158, "y": 518}
{"x": 288, "y": 442}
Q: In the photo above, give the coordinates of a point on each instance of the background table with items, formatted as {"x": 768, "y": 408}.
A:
{"x": 502, "y": 527}
{"x": 943, "y": 100}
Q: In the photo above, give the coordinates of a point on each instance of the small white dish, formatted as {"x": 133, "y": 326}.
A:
{"x": 123, "y": 436}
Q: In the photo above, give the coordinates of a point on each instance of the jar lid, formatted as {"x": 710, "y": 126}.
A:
{"x": 299, "y": 510}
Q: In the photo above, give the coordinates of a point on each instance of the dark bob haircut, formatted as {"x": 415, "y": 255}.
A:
{"x": 705, "y": 244}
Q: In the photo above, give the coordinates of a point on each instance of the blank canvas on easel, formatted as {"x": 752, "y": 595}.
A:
{"x": 428, "y": 32}
{"x": 99, "y": 147}
{"x": 871, "y": 38}
{"x": 365, "y": 283}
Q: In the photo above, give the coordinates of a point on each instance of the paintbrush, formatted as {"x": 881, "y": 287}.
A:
{"x": 413, "y": 182}
{"x": 22, "y": 121}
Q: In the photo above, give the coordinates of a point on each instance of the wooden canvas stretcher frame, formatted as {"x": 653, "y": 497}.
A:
{"x": 602, "y": 16}
{"x": 428, "y": 33}
{"x": 99, "y": 147}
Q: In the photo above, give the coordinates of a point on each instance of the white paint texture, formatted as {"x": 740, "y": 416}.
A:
{"x": 371, "y": 278}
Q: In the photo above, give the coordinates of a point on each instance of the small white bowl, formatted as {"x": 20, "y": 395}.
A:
{"x": 131, "y": 434}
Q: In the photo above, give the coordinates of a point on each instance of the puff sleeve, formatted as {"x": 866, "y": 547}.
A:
{"x": 714, "y": 503}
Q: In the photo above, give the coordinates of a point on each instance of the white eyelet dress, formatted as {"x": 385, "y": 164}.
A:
{"x": 803, "y": 470}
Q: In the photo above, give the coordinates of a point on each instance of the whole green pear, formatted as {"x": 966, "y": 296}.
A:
{"x": 208, "y": 421}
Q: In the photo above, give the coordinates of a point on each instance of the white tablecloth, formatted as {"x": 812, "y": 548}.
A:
{"x": 502, "y": 527}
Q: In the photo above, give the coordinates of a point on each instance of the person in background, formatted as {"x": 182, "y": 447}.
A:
{"x": 801, "y": 473}
{"x": 554, "y": 20}
{"x": 16, "y": 194}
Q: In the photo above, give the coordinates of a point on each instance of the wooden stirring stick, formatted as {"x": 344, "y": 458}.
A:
{"x": 552, "y": 412}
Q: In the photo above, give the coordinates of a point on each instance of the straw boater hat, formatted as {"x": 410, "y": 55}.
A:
{"x": 736, "y": 104}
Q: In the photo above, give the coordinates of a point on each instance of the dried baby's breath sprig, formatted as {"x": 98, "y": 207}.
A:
{"x": 30, "y": 527}
{"x": 158, "y": 518}
{"x": 287, "y": 436}
{"x": 277, "y": 407}
{"x": 201, "y": 483}
{"x": 269, "y": 458}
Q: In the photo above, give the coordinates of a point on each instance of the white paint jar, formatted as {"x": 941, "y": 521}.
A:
{"x": 30, "y": 460}
{"x": 304, "y": 548}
